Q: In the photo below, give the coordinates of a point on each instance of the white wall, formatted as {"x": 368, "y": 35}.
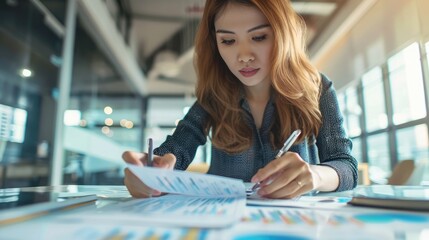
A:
{"x": 386, "y": 27}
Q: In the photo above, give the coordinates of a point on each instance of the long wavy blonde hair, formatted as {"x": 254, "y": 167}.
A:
{"x": 295, "y": 81}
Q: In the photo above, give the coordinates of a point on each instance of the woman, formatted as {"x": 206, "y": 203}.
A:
{"x": 255, "y": 87}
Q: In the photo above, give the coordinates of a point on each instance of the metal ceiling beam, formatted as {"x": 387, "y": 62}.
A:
{"x": 111, "y": 42}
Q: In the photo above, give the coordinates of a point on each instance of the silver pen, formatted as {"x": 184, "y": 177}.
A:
{"x": 288, "y": 143}
{"x": 149, "y": 161}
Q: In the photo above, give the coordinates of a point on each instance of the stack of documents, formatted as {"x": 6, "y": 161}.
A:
{"x": 194, "y": 200}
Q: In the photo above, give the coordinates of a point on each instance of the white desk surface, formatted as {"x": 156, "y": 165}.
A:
{"x": 258, "y": 223}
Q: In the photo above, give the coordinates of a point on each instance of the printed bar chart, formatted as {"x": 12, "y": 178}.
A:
{"x": 188, "y": 183}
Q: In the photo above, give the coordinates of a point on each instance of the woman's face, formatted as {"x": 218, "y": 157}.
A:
{"x": 245, "y": 39}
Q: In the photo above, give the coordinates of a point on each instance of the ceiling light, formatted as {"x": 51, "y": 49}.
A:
{"x": 108, "y": 110}
{"x": 129, "y": 124}
{"x": 82, "y": 123}
{"x": 105, "y": 130}
{"x": 25, "y": 72}
{"x": 123, "y": 122}
{"x": 108, "y": 121}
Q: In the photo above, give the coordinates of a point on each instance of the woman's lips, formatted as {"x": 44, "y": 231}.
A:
{"x": 248, "y": 72}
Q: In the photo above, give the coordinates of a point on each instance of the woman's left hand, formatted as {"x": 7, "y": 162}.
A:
{"x": 286, "y": 177}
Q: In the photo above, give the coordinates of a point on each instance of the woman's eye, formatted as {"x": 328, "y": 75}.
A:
{"x": 260, "y": 38}
{"x": 227, "y": 42}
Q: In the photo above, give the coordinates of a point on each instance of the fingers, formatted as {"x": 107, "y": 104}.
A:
{"x": 274, "y": 166}
{"x": 286, "y": 177}
{"x": 140, "y": 159}
{"x": 166, "y": 161}
{"x": 136, "y": 187}
{"x": 294, "y": 189}
{"x": 135, "y": 158}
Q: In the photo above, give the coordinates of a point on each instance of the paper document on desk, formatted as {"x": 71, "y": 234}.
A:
{"x": 189, "y": 183}
{"x": 314, "y": 202}
{"x": 174, "y": 210}
{"x": 194, "y": 200}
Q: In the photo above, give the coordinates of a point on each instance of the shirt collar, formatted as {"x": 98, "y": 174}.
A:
{"x": 245, "y": 104}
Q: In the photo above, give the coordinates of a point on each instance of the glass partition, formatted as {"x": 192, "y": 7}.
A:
{"x": 104, "y": 117}
{"x": 30, "y": 51}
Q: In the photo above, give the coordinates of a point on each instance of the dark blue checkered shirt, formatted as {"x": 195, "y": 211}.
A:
{"x": 332, "y": 148}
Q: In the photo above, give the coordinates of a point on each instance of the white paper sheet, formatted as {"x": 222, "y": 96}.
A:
{"x": 169, "y": 210}
{"x": 189, "y": 183}
{"x": 316, "y": 202}
{"x": 194, "y": 200}
{"x": 256, "y": 223}
{"x": 173, "y": 210}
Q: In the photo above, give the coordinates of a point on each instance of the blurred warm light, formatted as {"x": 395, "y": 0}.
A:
{"x": 83, "y": 123}
{"x": 108, "y": 110}
{"x": 108, "y": 121}
{"x": 129, "y": 124}
{"x": 123, "y": 122}
{"x": 105, "y": 130}
{"x": 25, "y": 73}
{"x": 177, "y": 122}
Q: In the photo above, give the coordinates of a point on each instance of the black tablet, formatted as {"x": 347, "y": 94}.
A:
{"x": 395, "y": 197}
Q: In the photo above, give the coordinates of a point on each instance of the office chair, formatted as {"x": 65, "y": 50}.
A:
{"x": 402, "y": 172}
{"x": 418, "y": 173}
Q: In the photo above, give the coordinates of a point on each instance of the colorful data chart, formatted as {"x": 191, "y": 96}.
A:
{"x": 389, "y": 217}
{"x": 188, "y": 183}
{"x": 296, "y": 216}
{"x": 276, "y": 232}
{"x": 178, "y": 204}
{"x": 169, "y": 210}
{"x": 112, "y": 232}
{"x": 281, "y": 216}
{"x": 270, "y": 236}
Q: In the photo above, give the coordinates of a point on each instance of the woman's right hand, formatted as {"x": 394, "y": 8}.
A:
{"x": 134, "y": 185}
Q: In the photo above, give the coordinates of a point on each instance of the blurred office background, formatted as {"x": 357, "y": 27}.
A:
{"x": 81, "y": 81}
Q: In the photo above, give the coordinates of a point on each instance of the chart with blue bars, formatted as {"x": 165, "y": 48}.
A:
{"x": 110, "y": 232}
{"x": 188, "y": 183}
{"x": 308, "y": 217}
{"x": 262, "y": 223}
{"x": 178, "y": 204}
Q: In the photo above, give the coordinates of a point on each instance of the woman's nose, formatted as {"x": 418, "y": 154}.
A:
{"x": 246, "y": 58}
{"x": 245, "y": 55}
